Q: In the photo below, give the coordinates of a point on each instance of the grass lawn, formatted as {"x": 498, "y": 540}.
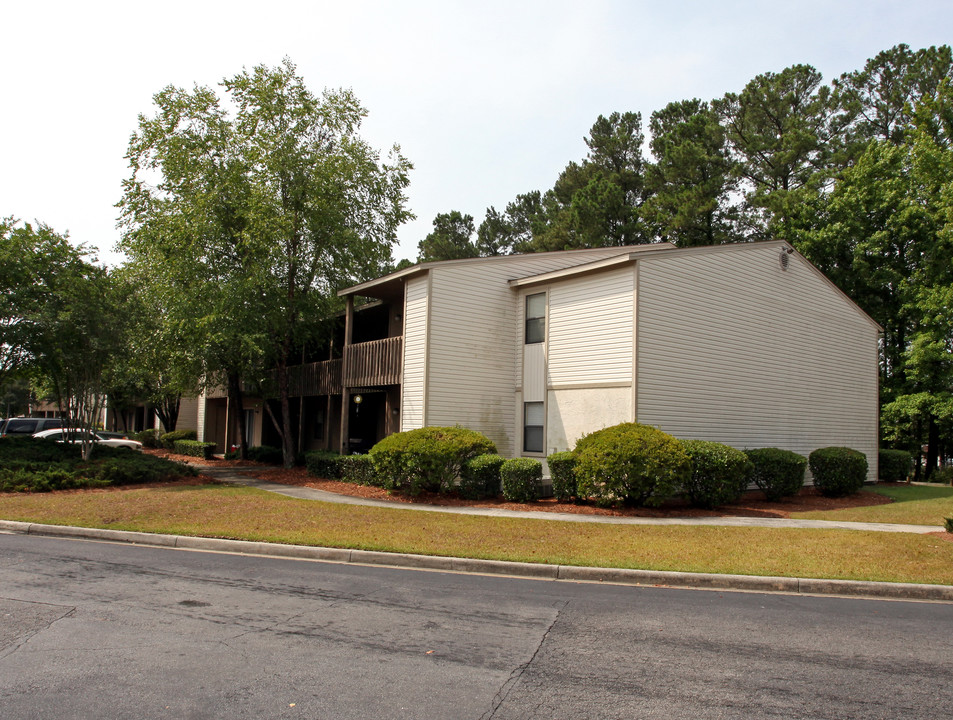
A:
{"x": 912, "y": 505}
{"x": 249, "y": 514}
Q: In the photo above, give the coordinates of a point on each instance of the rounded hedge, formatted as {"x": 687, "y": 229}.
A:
{"x": 521, "y": 479}
{"x": 719, "y": 473}
{"x": 630, "y": 463}
{"x": 480, "y": 477}
{"x": 428, "y": 458}
{"x": 778, "y": 473}
{"x": 838, "y": 471}
{"x": 894, "y": 465}
{"x": 562, "y": 471}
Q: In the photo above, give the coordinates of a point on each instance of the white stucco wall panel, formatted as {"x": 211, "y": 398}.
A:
{"x": 573, "y": 413}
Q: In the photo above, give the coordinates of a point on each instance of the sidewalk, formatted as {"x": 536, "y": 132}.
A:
{"x": 239, "y": 477}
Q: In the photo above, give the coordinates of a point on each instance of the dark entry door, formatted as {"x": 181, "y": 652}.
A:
{"x": 365, "y": 421}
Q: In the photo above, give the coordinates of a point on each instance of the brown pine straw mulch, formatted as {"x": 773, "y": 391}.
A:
{"x": 752, "y": 504}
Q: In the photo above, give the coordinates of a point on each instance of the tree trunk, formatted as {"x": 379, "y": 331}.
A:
{"x": 168, "y": 412}
{"x": 287, "y": 439}
{"x": 237, "y": 409}
{"x": 933, "y": 441}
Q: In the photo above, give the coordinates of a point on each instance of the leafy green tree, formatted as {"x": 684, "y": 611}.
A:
{"x": 886, "y": 238}
{"x": 779, "y": 132}
{"x": 877, "y": 102}
{"x": 451, "y": 239}
{"x": 690, "y": 183}
{"x": 515, "y": 229}
{"x": 63, "y": 320}
{"x": 258, "y": 215}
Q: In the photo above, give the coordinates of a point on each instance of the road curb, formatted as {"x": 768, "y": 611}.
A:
{"x": 566, "y": 573}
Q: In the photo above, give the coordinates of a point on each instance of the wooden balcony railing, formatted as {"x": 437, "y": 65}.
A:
{"x": 319, "y": 378}
{"x": 378, "y": 362}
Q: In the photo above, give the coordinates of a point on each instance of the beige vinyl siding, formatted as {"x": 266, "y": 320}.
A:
{"x": 534, "y": 372}
{"x": 189, "y": 414}
{"x": 476, "y": 341}
{"x": 200, "y": 417}
{"x": 413, "y": 388}
{"x": 734, "y": 349}
{"x": 590, "y": 329}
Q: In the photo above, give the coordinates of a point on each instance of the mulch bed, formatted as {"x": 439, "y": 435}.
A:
{"x": 752, "y": 504}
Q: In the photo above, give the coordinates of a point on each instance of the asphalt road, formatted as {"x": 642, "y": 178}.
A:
{"x": 98, "y": 630}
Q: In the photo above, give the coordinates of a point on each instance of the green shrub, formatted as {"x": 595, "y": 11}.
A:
{"x": 777, "y": 473}
{"x": 562, "y": 471}
{"x": 630, "y": 463}
{"x": 948, "y": 524}
{"x": 521, "y": 479}
{"x": 169, "y": 439}
{"x": 266, "y": 454}
{"x": 942, "y": 475}
{"x": 838, "y": 471}
{"x": 358, "y": 469}
{"x": 428, "y": 458}
{"x": 29, "y": 465}
{"x": 194, "y": 448}
{"x": 894, "y": 465}
{"x": 149, "y": 438}
{"x": 480, "y": 477}
{"x": 323, "y": 464}
{"x": 719, "y": 473}
{"x": 46, "y": 480}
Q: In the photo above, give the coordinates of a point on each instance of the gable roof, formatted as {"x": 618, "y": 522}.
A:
{"x": 388, "y": 285}
{"x": 662, "y": 250}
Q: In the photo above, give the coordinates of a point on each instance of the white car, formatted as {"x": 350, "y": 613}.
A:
{"x": 74, "y": 437}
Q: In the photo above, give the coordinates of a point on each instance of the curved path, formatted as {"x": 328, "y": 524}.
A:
{"x": 238, "y": 476}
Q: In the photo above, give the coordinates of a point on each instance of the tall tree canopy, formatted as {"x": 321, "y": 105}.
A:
{"x": 256, "y": 211}
{"x": 63, "y": 320}
{"x": 691, "y": 182}
{"x": 451, "y": 239}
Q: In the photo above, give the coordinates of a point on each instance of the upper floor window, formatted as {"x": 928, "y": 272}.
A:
{"x": 535, "y": 318}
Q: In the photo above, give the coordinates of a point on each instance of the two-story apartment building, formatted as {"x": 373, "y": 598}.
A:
{"x": 745, "y": 344}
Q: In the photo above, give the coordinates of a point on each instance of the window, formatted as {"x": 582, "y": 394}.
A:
{"x": 535, "y": 318}
{"x": 249, "y": 426}
{"x": 20, "y": 427}
{"x": 533, "y": 427}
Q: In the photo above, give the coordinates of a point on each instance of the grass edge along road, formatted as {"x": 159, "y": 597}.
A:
{"x": 912, "y": 505}
{"x": 249, "y": 514}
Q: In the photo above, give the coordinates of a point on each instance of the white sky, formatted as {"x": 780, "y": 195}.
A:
{"x": 488, "y": 99}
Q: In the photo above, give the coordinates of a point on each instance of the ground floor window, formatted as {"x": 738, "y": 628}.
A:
{"x": 533, "y": 427}
{"x": 249, "y": 426}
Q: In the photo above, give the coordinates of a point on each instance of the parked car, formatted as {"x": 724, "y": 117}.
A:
{"x": 74, "y": 436}
{"x": 29, "y": 426}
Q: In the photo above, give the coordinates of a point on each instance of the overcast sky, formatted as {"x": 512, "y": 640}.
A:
{"x": 488, "y": 99}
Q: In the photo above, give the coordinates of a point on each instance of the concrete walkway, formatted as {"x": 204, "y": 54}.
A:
{"x": 238, "y": 476}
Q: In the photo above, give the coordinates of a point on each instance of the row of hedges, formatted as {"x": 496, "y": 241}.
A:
{"x": 624, "y": 464}
{"x": 434, "y": 459}
{"x": 152, "y": 438}
{"x": 194, "y": 448}
{"x": 32, "y": 465}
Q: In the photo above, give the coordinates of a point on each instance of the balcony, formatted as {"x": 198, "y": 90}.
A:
{"x": 318, "y": 378}
{"x": 373, "y": 363}
{"x": 367, "y": 364}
